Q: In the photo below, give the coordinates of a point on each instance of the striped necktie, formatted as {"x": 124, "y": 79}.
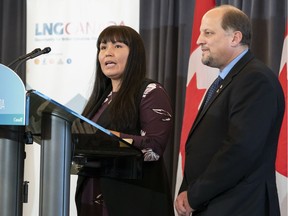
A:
{"x": 215, "y": 85}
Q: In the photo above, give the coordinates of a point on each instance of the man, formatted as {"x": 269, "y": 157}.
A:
{"x": 231, "y": 148}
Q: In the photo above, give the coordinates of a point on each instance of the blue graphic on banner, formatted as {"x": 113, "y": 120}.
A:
{"x": 12, "y": 98}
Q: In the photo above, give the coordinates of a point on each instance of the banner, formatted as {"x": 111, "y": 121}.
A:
{"x": 66, "y": 74}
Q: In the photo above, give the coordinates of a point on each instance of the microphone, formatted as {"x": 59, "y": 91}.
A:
{"x": 40, "y": 52}
{"x": 24, "y": 56}
{"x": 33, "y": 55}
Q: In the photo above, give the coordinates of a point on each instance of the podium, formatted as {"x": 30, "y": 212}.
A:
{"x": 70, "y": 144}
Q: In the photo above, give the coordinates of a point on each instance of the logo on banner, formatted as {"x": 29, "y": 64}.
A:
{"x": 69, "y": 31}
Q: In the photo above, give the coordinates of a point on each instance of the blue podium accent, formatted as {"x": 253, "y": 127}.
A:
{"x": 12, "y": 98}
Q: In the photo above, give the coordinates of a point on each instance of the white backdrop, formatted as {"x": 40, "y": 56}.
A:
{"x": 66, "y": 74}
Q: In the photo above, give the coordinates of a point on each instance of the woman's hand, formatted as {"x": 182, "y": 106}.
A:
{"x": 116, "y": 133}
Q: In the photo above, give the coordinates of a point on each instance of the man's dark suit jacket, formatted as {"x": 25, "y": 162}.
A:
{"x": 231, "y": 148}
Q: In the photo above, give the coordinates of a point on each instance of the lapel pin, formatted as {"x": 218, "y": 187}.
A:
{"x": 219, "y": 88}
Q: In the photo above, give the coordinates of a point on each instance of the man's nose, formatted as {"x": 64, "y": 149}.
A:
{"x": 199, "y": 40}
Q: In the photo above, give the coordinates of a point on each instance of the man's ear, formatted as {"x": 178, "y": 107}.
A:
{"x": 237, "y": 37}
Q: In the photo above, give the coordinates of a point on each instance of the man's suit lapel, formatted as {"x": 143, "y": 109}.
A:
{"x": 227, "y": 81}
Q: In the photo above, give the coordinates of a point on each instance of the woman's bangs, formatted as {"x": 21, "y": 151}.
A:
{"x": 112, "y": 35}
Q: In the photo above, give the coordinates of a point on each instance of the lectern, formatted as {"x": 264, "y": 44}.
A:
{"x": 70, "y": 144}
{"x": 12, "y": 128}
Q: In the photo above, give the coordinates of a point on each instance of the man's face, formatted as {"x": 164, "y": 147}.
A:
{"x": 215, "y": 42}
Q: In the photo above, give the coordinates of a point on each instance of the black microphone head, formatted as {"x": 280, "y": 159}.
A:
{"x": 46, "y": 50}
{"x": 43, "y": 51}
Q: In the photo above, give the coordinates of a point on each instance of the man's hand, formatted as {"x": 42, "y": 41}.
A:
{"x": 182, "y": 206}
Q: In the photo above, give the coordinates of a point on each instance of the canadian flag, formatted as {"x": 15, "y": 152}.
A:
{"x": 199, "y": 78}
{"x": 281, "y": 160}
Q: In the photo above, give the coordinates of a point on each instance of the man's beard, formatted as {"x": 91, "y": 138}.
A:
{"x": 209, "y": 61}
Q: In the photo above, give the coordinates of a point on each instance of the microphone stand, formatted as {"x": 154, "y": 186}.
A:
{"x": 36, "y": 52}
{"x": 24, "y": 57}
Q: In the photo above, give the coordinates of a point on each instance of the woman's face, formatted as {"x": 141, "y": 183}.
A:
{"x": 113, "y": 58}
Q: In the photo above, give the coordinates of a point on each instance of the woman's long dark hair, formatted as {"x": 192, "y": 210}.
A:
{"x": 123, "y": 108}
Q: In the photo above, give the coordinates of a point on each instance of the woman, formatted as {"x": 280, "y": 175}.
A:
{"x": 131, "y": 106}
